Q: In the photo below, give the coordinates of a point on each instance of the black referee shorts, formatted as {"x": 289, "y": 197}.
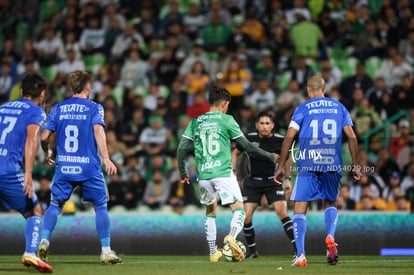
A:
{"x": 254, "y": 189}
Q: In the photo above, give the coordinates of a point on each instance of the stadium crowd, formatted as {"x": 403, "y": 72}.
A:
{"x": 154, "y": 61}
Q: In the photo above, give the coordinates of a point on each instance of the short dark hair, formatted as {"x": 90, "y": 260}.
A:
{"x": 265, "y": 114}
{"x": 33, "y": 84}
{"x": 77, "y": 80}
{"x": 216, "y": 95}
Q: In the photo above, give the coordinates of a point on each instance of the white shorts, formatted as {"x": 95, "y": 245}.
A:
{"x": 227, "y": 188}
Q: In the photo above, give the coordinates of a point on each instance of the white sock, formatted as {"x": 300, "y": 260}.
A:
{"x": 237, "y": 222}
{"x": 106, "y": 249}
{"x": 211, "y": 233}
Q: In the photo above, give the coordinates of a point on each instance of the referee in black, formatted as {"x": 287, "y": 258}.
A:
{"x": 260, "y": 181}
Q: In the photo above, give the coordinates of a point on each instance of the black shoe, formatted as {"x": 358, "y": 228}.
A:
{"x": 252, "y": 255}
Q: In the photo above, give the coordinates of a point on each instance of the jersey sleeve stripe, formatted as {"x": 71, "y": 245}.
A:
{"x": 187, "y": 137}
{"x": 294, "y": 125}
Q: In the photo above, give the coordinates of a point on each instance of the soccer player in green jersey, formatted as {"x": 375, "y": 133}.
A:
{"x": 209, "y": 136}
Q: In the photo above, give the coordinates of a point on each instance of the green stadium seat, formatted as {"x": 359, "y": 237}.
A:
{"x": 372, "y": 65}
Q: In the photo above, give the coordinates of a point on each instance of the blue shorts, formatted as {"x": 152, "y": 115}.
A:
{"x": 310, "y": 186}
{"x": 13, "y": 196}
{"x": 94, "y": 190}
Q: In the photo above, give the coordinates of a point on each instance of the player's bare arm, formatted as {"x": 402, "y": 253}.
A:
{"x": 353, "y": 148}
{"x": 184, "y": 148}
{"x": 100, "y": 138}
{"x": 255, "y": 151}
{"x": 284, "y": 154}
{"x": 48, "y": 143}
{"x": 30, "y": 150}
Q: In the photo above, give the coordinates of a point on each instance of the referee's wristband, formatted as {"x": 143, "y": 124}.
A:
{"x": 289, "y": 178}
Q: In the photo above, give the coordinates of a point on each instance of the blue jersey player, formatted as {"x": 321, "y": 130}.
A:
{"x": 78, "y": 126}
{"x": 20, "y": 123}
{"x": 319, "y": 122}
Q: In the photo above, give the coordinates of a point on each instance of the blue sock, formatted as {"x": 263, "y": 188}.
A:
{"x": 32, "y": 233}
{"x": 331, "y": 217}
{"x": 50, "y": 219}
{"x": 103, "y": 225}
{"x": 299, "y": 230}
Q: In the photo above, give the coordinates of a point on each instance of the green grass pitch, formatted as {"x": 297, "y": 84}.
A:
{"x": 182, "y": 265}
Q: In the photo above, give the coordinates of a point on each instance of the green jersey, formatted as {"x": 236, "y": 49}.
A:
{"x": 211, "y": 134}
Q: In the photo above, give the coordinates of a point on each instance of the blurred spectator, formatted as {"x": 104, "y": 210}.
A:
{"x": 393, "y": 184}
{"x": 111, "y": 33}
{"x": 408, "y": 180}
{"x": 7, "y": 80}
{"x": 361, "y": 80}
{"x": 254, "y": 29}
{"x": 246, "y": 119}
{"x": 409, "y": 195}
{"x": 123, "y": 42}
{"x": 43, "y": 192}
{"x": 219, "y": 65}
{"x": 70, "y": 63}
{"x": 111, "y": 13}
{"x": 92, "y": 39}
{"x": 215, "y": 34}
{"x": 175, "y": 108}
{"x": 344, "y": 201}
{"x": 299, "y": 8}
{"x": 196, "y": 81}
{"x": 374, "y": 94}
{"x": 135, "y": 72}
{"x": 265, "y": 68}
{"x": 173, "y": 16}
{"x": 199, "y": 105}
{"x": 404, "y": 94}
{"x": 116, "y": 191}
{"x": 388, "y": 107}
{"x": 167, "y": 67}
{"x": 301, "y": 72}
{"x": 385, "y": 164}
{"x": 153, "y": 139}
{"x": 48, "y": 48}
{"x": 262, "y": 98}
{"x": 133, "y": 127}
{"x": 134, "y": 190}
{"x": 392, "y": 70}
{"x": 193, "y": 21}
{"x": 289, "y": 99}
{"x": 306, "y": 37}
{"x": 197, "y": 55}
{"x": 157, "y": 190}
{"x": 218, "y": 10}
{"x": 237, "y": 82}
{"x": 148, "y": 25}
{"x": 365, "y": 118}
{"x": 366, "y": 204}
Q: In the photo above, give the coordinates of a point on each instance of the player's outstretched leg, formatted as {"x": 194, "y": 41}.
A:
{"x": 32, "y": 260}
{"x": 331, "y": 250}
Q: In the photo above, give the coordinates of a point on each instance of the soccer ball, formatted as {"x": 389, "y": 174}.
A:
{"x": 228, "y": 254}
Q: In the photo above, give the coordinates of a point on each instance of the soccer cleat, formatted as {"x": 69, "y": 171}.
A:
{"x": 32, "y": 260}
{"x": 252, "y": 255}
{"x": 43, "y": 250}
{"x": 300, "y": 261}
{"x": 110, "y": 258}
{"x": 238, "y": 254}
{"x": 332, "y": 251}
{"x": 216, "y": 257}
